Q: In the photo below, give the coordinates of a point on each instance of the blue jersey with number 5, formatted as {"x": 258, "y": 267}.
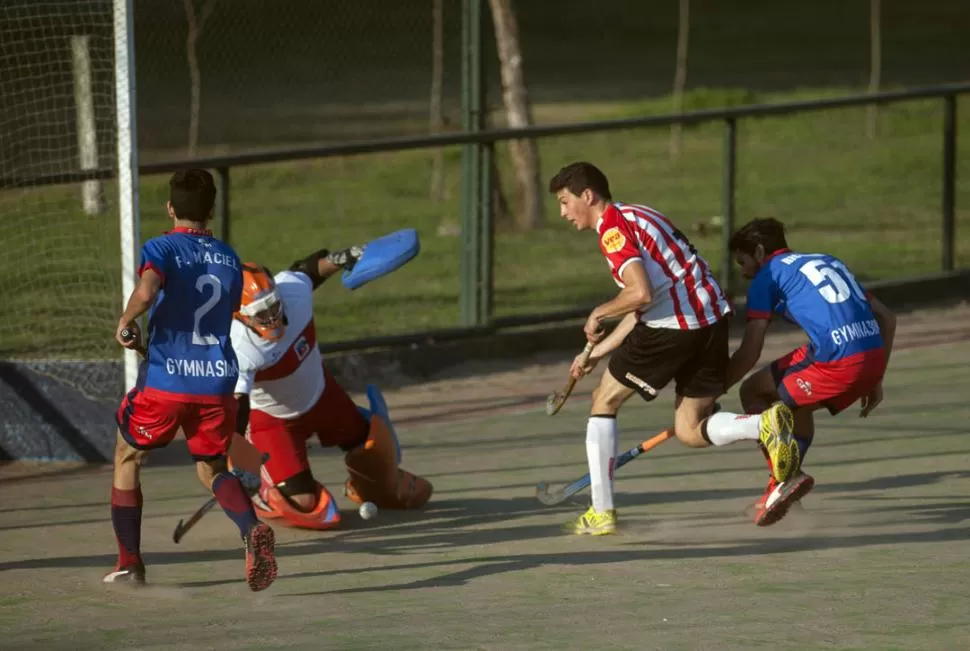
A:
{"x": 821, "y": 295}
{"x": 190, "y": 356}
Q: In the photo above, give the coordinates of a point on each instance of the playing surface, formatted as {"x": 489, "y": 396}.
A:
{"x": 878, "y": 558}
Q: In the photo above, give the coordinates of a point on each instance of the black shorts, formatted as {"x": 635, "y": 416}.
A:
{"x": 649, "y": 358}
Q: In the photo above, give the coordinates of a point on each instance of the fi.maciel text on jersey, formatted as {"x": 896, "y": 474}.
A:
{"x": 206, "y": 257}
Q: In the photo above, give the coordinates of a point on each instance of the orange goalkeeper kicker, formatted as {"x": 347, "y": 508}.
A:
{"x": 551, "y": 497}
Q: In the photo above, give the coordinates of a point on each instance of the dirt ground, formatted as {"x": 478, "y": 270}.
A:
{"x": 877, "y": 559}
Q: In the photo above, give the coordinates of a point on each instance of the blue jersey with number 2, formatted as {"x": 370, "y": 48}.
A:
{"x": 821, "y": 295}
{"x": 190, "y": 355}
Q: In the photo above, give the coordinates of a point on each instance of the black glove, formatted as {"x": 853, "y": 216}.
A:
{"x": 346, "y": 258}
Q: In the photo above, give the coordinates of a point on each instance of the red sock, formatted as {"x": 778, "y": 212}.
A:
{"x": 126, "y": 520}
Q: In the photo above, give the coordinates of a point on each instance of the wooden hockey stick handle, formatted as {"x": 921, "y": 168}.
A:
{"x": 583, "y": 358}
{"x": 555, "y": 401}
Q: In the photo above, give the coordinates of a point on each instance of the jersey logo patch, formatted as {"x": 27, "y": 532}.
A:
{"x": 613, "y": 240}
{"x": 301, "y": 348}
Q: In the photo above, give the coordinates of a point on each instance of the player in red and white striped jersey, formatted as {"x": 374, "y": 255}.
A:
{"x": 674, "y": 327}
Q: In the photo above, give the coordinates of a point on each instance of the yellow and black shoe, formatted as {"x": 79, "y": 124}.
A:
{"x": 593, "y": 523}
{"x": 777, "y": 437}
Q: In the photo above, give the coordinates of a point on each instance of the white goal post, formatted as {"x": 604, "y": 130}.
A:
{"x": 127, "y": 159}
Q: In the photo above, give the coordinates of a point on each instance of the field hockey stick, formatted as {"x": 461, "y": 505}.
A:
{"x": 552, "y": 496}
{"x": 184, "y": 526}
{"x": 557, "y": 399}
{"x": 128, "y": 335}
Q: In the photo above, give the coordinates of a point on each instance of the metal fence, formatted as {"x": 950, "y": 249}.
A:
{"x": 478, "y": 147}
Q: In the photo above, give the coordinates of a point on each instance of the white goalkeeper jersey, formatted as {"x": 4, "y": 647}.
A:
{"x": 283, "y": 378}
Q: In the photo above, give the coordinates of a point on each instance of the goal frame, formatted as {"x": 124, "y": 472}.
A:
{"x": 127, "y": 161}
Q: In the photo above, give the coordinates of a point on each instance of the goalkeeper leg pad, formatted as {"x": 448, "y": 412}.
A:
{"x": 375, "y": 476}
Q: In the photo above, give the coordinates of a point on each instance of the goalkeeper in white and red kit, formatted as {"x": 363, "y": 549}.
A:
{"x": 290, "y": 396}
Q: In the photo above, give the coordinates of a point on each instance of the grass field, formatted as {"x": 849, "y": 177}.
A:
{"x": 876, "y": 560}
{"x": 876, "y": 204}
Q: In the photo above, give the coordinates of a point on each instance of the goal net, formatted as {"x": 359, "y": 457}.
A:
{"x": 62, "y": 65}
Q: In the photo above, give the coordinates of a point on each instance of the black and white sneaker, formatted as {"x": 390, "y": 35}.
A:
{"x": 129, "y": 574}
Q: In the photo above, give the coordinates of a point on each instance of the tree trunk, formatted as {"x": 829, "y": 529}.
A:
{"x": 436, "y": 114}
{"x": 524, "y": 153}
{"x": 680, "y": 76}
{"x": 875, "y": 62}
{"x": 195, "y": 25}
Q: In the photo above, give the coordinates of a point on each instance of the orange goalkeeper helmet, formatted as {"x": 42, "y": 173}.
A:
{"x": 261, "y": 308}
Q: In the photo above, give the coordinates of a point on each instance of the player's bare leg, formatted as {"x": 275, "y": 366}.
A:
{"x": 689, "y": 417}
{"x": 601, "y": 452}
{"x": 235, "y": 501}
{"x": 126, "y": 510}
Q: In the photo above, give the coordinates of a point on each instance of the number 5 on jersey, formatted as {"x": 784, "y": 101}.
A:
{"x": 832, "y": 280}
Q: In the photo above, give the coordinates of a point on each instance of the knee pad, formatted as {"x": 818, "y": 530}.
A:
{"x": 375, "y": 476}
{"x": 324, "y": 515}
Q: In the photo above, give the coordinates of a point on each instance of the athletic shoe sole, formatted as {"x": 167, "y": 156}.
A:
{"x": 260, "y": 558}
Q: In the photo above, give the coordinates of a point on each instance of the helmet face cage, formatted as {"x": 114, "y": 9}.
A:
{"x": 262, "y": 308}
{"x": 272, "y": 316}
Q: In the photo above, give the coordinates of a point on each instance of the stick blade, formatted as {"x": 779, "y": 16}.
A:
{"x": 179, "y": 532}
{"x": 554, "y": 403}
{"x": 547, "y": 496}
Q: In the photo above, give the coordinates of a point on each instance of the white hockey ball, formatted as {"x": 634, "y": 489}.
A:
{"x": 368, "y": 510}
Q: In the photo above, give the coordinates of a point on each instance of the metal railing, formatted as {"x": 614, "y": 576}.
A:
{"x": 476, "y": 285}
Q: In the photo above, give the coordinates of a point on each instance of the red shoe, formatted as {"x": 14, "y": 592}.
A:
{"x": 260, "y": 559}
{"x": 772, "y": 485}
{"x": 778, "y": 498}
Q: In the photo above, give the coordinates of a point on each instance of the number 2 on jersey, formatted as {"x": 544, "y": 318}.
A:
{"x": 839, "y": 280}
{"x": 213, "y": 282}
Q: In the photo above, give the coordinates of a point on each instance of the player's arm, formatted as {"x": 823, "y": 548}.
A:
{"x": 887, "y": 323}
{"x": 242, "y": 412}
{"x": 141, "y": 300}
{"x": 615, "y": 338}
{"x": 605, "y": 347}
{"x": 887, "y": 327}
{"x": 322, "y": 264}
{"x": 636, "y": 293}
{"x": 244, "y": 386}
{"x": 762, "y": 296}
{"x": 749, "y": 352}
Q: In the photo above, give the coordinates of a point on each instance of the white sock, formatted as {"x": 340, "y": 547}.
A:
{"x": 601, "y": 446}
{"x": 724, "y": 427}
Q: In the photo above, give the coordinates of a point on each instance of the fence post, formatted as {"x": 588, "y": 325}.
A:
{"x": 730, "y": 162}
{"x": 473, "y": 120}
{"x": 486, "y": 235}
{"x": 222, "y": 203}
{"x": 949, "y": 180}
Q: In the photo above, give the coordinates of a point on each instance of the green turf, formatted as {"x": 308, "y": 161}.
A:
{"x": 876, "y": 204}
{"x": 876, "y": 561}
